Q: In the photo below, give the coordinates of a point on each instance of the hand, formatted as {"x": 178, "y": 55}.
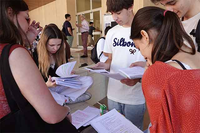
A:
{"x": 129, "y": 82}
{"x": 50, "y": 82}
{"x": 102, "y": 65}
{"x": 33, "y": 30}
{"x": 73, "y": 72}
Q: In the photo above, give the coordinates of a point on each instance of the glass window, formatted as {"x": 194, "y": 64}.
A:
{"x": 96, "y": 19}
{"x": 82, "y": 5}
{"x": 96, "y": 38}
{"x": 96, "y": 4}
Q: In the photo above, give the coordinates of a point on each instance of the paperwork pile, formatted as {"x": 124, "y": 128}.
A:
{"x": 69, "y": 85}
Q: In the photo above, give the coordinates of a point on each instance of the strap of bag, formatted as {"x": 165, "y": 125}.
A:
{"x": 14, "y": 97}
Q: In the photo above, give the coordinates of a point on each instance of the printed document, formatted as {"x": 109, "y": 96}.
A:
{"x": 114, "y": 122}
{"x": 79, "y": 118}
{"x": 123, "y": 73}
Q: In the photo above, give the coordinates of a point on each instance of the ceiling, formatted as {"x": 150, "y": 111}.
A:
{"x": 33, "y": 4}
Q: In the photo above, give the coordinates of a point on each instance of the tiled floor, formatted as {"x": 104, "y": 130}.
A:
{"x": 76, "y": 53}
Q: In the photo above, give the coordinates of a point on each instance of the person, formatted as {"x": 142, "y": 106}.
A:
{"x": 84, "y": 29}
{"x": 51, "y": 51}
{"x": 126, "y": 95}
{"x": 32, "y": 108}
{"x": 90, "y": 36}
{"x": 51, "y": 54}
{"x": 187, "y": 10}
{"x": 68, "y": 30}
{"x": 171, "y": 82}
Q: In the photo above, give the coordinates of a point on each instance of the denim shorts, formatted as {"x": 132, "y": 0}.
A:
{"x": 134, "y": 113}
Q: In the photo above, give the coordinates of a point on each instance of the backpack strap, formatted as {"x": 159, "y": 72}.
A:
{"x": 198, "y": 35}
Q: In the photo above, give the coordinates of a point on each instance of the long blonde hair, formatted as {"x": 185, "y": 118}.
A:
{"x": 50, "y": 31}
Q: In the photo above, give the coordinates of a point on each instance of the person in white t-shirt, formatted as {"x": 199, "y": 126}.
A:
{"x": 187, "y": 10}
{"x": 126, "y": 95}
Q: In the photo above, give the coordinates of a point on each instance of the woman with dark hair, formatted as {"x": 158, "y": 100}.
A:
{"x": 171, "y": 82}
{"x": 26, "y": 105}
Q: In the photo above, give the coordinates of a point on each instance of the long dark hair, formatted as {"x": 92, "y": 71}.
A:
{"x": 9, "y": 33}
{"x": 170, "y": 32}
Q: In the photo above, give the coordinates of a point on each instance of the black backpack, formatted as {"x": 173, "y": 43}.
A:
{"x": 94, "y": 55}
{"x": 196, "y": 34}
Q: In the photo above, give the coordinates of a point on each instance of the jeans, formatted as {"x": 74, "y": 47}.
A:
{"x": 70, "y": 40}
{"x": 84, "y": 37}
{"x": 134, "y": 113}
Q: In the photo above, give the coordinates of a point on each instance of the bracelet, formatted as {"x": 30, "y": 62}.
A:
{"x": 65, "y": 105}
{"x": 68, "y": 113}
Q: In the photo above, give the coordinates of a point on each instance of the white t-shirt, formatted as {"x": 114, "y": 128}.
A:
{"x": 189, "y": 25}
{"x": 85, "y": 26}
{"x": 119, "y": 44}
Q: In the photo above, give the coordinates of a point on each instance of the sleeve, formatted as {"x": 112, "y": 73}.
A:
{"x": 67, "y": 25}
{"x": 108, "y": 43}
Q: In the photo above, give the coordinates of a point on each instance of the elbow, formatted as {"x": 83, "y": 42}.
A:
{"x": 52, "y": 119}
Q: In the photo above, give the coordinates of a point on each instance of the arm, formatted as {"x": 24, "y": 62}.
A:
{"x": 70, "y": 31}
{"x": 33, "y": 87}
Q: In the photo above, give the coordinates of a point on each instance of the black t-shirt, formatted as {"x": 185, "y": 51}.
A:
{"x": 67, "y": 25}
{"x": 91, "y": 29}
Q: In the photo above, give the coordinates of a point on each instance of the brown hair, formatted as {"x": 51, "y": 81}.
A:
{"x": 9, "y": 32}
{"x": 170, "y": 32}
{"x": 118, "y": 5}
{"x": 155, "y": 1}
{"x": 50, "y": 31}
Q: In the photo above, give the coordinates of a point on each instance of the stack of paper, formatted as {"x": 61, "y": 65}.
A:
{"x": 72, "y": 82}
{"x": 66, "y": 78}
{"x": 114, "y": 122}
{"x": 82, "y": 118}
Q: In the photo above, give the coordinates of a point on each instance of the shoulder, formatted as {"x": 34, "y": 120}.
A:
{"x": 157, "y": 70}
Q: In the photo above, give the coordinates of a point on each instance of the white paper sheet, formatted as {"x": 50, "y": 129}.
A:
{"x": 114, "y": 122}
{"x": 91, "y": 110}
{"x": 60, "y": 92}
{"x": 132, "y": 72}
{"x": 65, "y": 70}
{"x": 116, "y": 76}
{"x": 79, "y": 118}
